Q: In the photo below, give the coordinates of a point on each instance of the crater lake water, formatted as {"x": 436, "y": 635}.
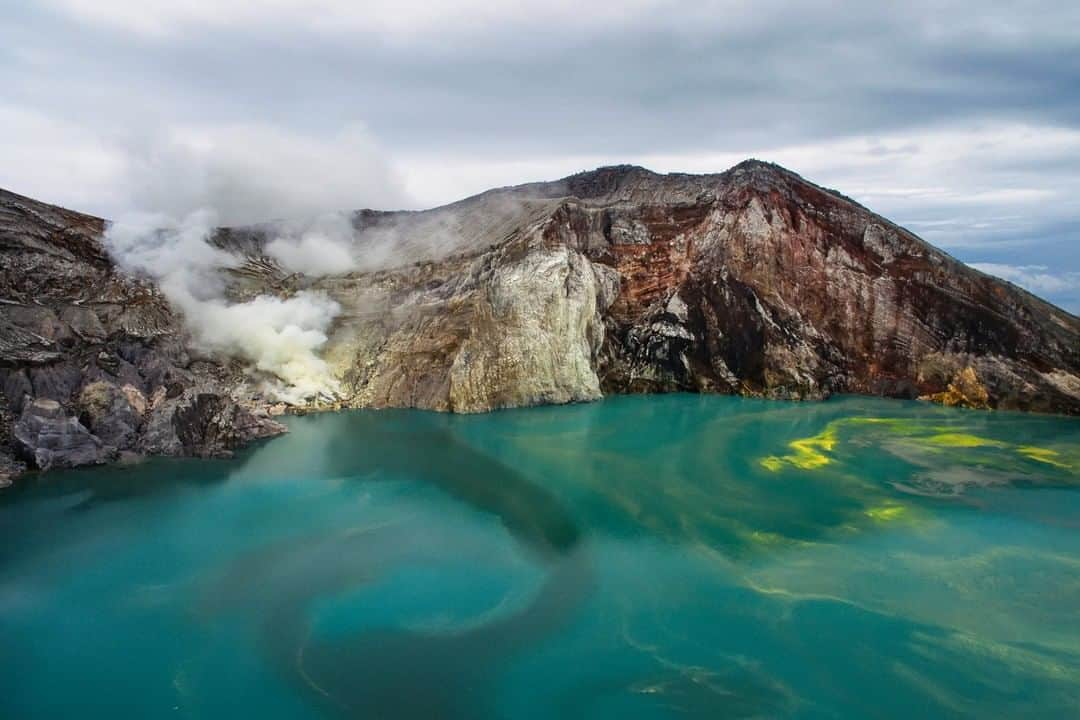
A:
{"x": 641, "y": 557}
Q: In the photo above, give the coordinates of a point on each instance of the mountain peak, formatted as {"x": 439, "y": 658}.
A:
{"x": 603, "y": 180}
{"x": 754, "y": 164}
{"x": 764, "y": 170}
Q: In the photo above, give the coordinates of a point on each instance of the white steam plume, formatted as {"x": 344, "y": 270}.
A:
{"x": 194, "y": 181}
{"x": 278, "y": 336}
{"x": 254, "y": 173}
{"x": 326, "y": 246}
{"x": 281, "y": 337}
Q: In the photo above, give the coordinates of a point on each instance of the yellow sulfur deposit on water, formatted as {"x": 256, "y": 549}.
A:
{"x": 814, "y": 452}
{"x": 1043, "y": 455}
{"x": 887, "y": 513}
{"x": 761, "y": 537}
{"x": 809, "y": 453}
{"x": 963, "y": 440}
{"x": 773, "y": 463}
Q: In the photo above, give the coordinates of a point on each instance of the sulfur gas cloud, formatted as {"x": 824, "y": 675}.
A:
{"x": 186, "y": 184}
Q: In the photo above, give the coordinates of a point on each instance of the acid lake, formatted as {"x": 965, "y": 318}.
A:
{"x": 642, "y": 557}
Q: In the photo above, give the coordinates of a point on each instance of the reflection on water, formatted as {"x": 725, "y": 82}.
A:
{"x": 673, "y": 556}
{"x": 419, "y": 673}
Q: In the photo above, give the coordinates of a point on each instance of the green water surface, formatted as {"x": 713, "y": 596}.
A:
{"x": 642, "y": 557}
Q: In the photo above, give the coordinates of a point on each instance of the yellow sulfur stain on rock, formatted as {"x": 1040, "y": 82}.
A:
{"x": 965, "y": 390}
{"x": 1043, "y": 455}
{"x": 963, "y": 440}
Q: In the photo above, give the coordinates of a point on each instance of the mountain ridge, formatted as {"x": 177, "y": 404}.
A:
{"x": 751, "y": 281}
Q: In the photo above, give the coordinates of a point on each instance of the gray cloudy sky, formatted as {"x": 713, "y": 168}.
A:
{"x": 960, "y": 120}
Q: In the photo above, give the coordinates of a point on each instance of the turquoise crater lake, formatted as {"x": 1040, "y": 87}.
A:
{"x": 641, "y": 557}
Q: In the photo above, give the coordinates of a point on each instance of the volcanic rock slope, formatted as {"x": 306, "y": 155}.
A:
{"x": 94, "y": 363}
{"x": 752, "y": 281}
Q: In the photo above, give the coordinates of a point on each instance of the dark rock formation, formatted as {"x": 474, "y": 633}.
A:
{"x": 752, "y": 281}
{"x": 47, "y": 437}
{"x": 86, "y": 353}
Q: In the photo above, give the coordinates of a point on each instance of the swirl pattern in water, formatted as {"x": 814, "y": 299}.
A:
{"x": 642, "y": 557}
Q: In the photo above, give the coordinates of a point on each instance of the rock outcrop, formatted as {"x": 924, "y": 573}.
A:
{"x": 752, "y": 281}
{"x": 48, "y": 437}
{"x": 92, "y": 362}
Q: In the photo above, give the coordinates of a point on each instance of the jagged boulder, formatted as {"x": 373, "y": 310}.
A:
{"x": 47, "y": 437}
{"x": 965, "y": 390}
{"x": 112, "y": 413}
{"x": 204, "y": 423}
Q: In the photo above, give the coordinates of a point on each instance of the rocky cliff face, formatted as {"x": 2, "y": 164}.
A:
{"x": 752, "y": 281}
{"x": 93, "y": 363}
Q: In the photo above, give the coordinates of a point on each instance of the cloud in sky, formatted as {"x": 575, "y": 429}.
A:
{"x": 388, "y": 18}
{"x": 959, "y": 119}
{"x": 251, "y": 173}
{"x": 1039, "y": 279}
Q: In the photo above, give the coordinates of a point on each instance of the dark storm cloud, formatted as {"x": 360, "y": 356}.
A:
{"x": 645, "y": 81}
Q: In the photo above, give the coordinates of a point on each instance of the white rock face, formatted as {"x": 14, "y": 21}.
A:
{"x": 537, "y": 334}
